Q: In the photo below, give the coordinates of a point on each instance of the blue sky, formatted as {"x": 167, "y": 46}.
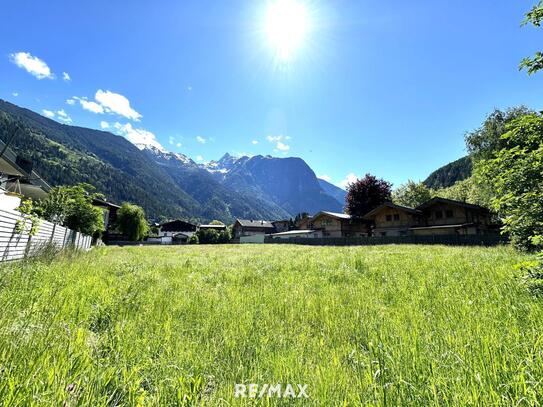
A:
{"x": 383, "y": 87}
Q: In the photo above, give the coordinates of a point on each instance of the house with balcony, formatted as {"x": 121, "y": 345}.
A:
{"x": 18, "y": 179}
{"x": 438, "y": 216}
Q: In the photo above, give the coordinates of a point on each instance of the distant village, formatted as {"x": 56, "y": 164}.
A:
{"x": 436, "y": 217}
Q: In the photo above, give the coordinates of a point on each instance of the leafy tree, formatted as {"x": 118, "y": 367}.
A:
{"x": 154, "y": 230}
{"x": 225, "y": 236}
{"x": 72, "y": 207}
{"x": 193, "y": 239}
{"x": 534, "y": 17}
{"x": 216, "y": 222}
{"x": 484, "y": 141}
{"x": 366, "y": 194}
{"x": 515, "y": 176}
{"x": 471, "y": 190}
{"x": 131, "y": 222}
{"x": 411, "y": 194}
{"x": 27, "y": 210}
{"x": 208, "y": 236}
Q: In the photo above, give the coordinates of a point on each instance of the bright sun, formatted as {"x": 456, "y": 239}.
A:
{"x": 286, "y": 26}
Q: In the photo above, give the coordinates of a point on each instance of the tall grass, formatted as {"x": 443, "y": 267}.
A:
{"x": 389, "y": 325}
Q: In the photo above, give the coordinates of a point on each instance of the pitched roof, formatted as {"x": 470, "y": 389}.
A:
{"x": 294, "y": 232}
{"x": 212, "y": 226}
{"x": 104, "y": 203}
{"x": 20, "y": 169}
{"x": 255, "y": 223}
{"x": 461, "y": 225}
{"x": 435, "y": 200}
{"x": 393, "y": 206}
{"x": 336, "y": 215}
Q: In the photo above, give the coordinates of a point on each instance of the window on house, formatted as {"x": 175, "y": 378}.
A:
{"x": 449, "y": 213}
{"x": 383, "y": 233}
{"x": 396, "y": 216}
{"x": 389, "y": 218}
{"x": 439, "y": 215}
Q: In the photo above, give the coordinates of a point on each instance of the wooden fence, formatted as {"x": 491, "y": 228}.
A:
{"x": 15, "y": 245}
{"x": 452, "y": 240}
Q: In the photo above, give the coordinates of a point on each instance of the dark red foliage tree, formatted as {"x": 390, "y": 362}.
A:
{"x": 366, "y": 194}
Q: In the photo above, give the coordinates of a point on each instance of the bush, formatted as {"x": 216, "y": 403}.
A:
{"x": 224, "y": 236}
{"x": 193, "y": 239}
{"x": 208, "y": 236}
{"x": 72, "y": 207}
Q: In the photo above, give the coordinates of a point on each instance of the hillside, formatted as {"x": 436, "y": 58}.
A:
{"x": 449, "y": 174}
{"x": 65, "y": 155}
{"x": 167, "y": 185}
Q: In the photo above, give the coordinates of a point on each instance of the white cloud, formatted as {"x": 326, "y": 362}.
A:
{"x": 171, "y": 140}
{"x": 179, "y": 145}
{"x": 33, "y": 65}
{"x": 200, "y": 140}
{"x": 273, "y": 139}
{"x": 138, "y": 137}
{"x": 15, "y": 94}
{"x": 325, "y": 177}
{"x": 254, "y": 142}
{"x": 70, "y": 102}
{"x": 104, "y": 125}
{"x": 66, "y": 77}
{"x": 349, "y": 179}
{"x": 116, "y": 103}
{"x": 63, "y": 116}
{"x": 280, "y": 147}
{"x": 91, "y": 106}
{"x": 189, "y": 88}
{"x": 107, "y": 102}
{"x": 199, "y": 158}
{"x": 60, "y": 115}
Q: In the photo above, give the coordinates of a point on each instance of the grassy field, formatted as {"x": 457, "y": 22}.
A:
{"x": 388, "y": 325}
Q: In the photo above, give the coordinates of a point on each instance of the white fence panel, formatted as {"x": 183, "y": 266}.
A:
{"x": 16, "y": 246}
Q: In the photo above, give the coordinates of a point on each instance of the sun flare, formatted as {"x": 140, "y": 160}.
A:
{"x": 286, "y": 26}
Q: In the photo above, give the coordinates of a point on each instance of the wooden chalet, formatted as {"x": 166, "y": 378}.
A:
{"x": 244, "y": 227}
{"x": 438, "y": 216}
{"x": 334, "y": 224}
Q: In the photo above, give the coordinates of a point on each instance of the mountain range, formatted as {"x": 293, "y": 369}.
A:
{"x": 167, "y": 185}
{"x": 171, "y": 185}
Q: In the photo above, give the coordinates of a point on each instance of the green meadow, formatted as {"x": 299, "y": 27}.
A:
{"x": 384, "y": 325}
